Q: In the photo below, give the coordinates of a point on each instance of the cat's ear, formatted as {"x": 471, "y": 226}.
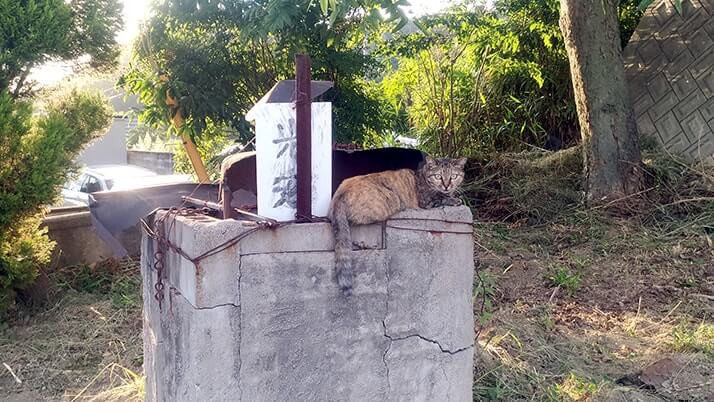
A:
{"x": 461, "y": 162}
{"x": 428, "y": 160}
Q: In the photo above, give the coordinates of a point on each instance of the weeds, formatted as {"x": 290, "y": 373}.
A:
{"x": 118, "y": 279}
{"x": 631, "y": 276}
{"x": 699, "y": 339}
{"x": 574, "y": 388}
{"x": 93, "y": 325}
{"x": 483, "y": 293}
{"x": 532, "y": 187}
{"x": 562, "y": 277}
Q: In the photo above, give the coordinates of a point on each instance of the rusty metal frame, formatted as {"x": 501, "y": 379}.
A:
{"x": 303, "y": 122}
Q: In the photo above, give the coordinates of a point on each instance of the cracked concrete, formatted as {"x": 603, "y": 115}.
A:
{"x": 258, "y": 324}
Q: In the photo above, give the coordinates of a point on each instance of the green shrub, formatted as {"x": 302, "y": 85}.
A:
{"x": 24, "y": 248}
{"x": 483, "y": 81}
{"x": 36, "y": 158}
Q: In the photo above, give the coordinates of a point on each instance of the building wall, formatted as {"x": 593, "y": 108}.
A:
{"x": 110, "y": 148}
{"x": 669, "y": 64}
{"x": 159, "y": 162}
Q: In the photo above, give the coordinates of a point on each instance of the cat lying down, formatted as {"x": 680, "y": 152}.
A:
{"x": 375, "y": 197}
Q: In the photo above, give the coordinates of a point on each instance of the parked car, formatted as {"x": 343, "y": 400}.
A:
{"x": 93, "y": 179}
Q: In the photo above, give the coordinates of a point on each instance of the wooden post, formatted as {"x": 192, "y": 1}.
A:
{"x": 303, "y": 122}
{"x": 188, "y": 143}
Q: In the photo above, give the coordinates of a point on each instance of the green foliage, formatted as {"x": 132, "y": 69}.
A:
{"x": 629, "y": 16}
{"x": 24, "y": 247}
{"x": 561, "y": 276}
{"x": 699, "y": 339}
{"x": 484, "y": 291}
{"x": 481, "y": 81}
{"x": 119, "y": 279}
{"x": 370, "y": 8}
{"x": 222, "y": 57}
{"x": 36, "y": 158}
{"x": 33, "y": 32}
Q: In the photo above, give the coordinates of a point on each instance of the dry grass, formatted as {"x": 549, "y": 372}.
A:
{"x": 582, "y": 298}
{"x": 90, "y": 330}
{"x": 634, "y": 305}
{"x": 123, "y": 385}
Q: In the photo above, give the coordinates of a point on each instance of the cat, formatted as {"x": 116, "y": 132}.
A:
{"x": 375, "y": 197}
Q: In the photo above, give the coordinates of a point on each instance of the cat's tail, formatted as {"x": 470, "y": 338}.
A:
{"x": 343, "y": 247}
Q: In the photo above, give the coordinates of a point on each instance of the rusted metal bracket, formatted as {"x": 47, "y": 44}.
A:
{"x": 303, "y": 122}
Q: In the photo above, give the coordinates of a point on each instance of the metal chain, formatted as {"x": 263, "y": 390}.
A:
{"x": 160, "y": 233}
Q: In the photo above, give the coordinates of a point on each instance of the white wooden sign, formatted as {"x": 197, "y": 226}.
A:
{"x": 276, "y": 161}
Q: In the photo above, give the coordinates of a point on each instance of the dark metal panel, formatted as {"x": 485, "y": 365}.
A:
{"x": 117, "y": 213}
{"x": 284, "y": 91}
{"x": 240, "y": 172}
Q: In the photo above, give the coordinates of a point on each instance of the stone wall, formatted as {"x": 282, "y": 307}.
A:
{"x": 159, "y": 162}
{"x": 77, "y": 240}
{"x": 265, "y": 321}
{"x": 669, "y": 64}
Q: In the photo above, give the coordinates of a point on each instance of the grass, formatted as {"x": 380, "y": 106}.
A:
{"x": 574, "y": 388}
{"x": 124, "y": 385}
{"x": 632, "y": 281}
{"x": 699, "y": 338}
{"x": 84, "y": 341}
{"x": 562, "y": 277}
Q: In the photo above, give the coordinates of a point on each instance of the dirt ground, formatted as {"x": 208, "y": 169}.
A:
{"x": 585, "y": 308}
{"x": 594, "y": 309}
{"x": 84, "y": 344}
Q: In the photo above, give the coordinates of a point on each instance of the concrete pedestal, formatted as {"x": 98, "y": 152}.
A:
{"x": 265, "y": 321}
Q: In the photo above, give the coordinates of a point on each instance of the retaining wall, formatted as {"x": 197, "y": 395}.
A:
{"x": 158, "y": 162}
{"x": 77, "y": 240}
{"x": 669, "y": 65}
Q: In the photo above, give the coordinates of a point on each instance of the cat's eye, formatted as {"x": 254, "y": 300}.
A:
{"x": 454, "y": 176}
{"x": 437, "y": 176}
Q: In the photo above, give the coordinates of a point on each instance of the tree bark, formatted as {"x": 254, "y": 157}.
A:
{"x": 607, "y": 122}
{"x": 21, "y": 82}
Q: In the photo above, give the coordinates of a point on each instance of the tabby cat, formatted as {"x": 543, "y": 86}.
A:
{"x": 375, "y": 197}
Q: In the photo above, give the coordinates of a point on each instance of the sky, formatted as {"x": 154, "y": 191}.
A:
{"x": 136, "y": 11}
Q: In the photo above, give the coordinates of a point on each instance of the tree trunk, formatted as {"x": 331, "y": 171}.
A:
{"x": 607, "y": 122}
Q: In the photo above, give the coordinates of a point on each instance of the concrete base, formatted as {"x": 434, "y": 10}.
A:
{"x": 264, "y": 320}
{"x": 77, "y": 240}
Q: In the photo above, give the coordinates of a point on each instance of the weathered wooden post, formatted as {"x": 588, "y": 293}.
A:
{"x": 188, "y": 144}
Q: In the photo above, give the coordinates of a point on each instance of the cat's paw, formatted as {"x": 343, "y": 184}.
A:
{"x": 451, "y": 202}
